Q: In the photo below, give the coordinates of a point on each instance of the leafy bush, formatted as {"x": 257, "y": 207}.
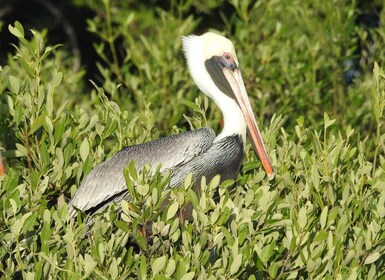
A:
{"x": 322, "y": 216}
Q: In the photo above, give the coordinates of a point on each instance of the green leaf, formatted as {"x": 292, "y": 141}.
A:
{"x": 172, "y": 210}
{"x": 57, "y": 78}
{"x": 193, "y": 198}
{"x": 129, "y": 184}
{"x": 191, "y": 105}
{"x": 89, "y": 265}
{"x": 273, "y": 270}
{"x": 49, "y": 103}
{"x": 158, "y": 264}
{"x": 48, "y": 125}
{"x": 9, "y": 102}
{"x": 266, "y": 252}
{"x": 170, "y": 269}
{"x": 59, "y": 130}
{"x": 132, "y": 170}
{"x": 321, "y": 236}
{"x": 29, "y": 222}
{"x": 214, "y": 217}
{"x": 48, "y": 50}
{"x": 45, "y": 235}
{"x": 302, "y": 218}
{"x": 113, "y": 269}
{"x": 14, "y": 84}
{"x": 101, "y": 251}
{"x": 188, "y": 276}
{"x": 315, "y": 177}
{"x": 214, "y": 181}
{"x": 372, "y": 258}
{"x": 84, "y": 149}
{"x": 122, "y": 225}
{"x": 376, "y": 71}
{"x": 142, "y": 242}
{"x": 19, "y": 113}
{"x": 143, "y": 189}
{"x": 39, "y": 122}
{"x": 324, "y": 216}
{"x": 327, "y": 121}
{"x": 21, "y": 150}
{"x": 143, "y": 267}
{"x": 188, "y": 181}
{"x": 236, "y": 264}
{"x": 44, "y": 154}
{"x": 16, "y": 227}
{"x": 17, "y": 30}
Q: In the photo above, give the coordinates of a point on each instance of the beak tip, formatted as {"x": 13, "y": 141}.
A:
{"x": 270, "y": 175}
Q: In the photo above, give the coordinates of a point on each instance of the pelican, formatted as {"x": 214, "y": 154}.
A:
{"x": 214, "y": 67}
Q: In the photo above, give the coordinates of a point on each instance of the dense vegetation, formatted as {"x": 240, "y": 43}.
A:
{"x": 314, "y": 73}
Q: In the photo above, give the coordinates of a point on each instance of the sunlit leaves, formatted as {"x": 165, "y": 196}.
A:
{"x": 378, "y": 95}
{"x": 158, "y": 264}
{"x": 14, "y": 84}
{"x": 372, "y": 258}
{"x": 172, "y": 210}
{"x": 84, "y": 149}
{"x": 321, "y": 217}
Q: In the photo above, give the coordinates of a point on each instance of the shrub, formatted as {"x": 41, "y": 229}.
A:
{"x": 322, "y": 216}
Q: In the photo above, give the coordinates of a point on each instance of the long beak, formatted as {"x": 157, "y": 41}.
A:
{"x": 234, "y": 77}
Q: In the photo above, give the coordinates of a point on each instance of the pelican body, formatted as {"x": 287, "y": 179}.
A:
{"x": 214, "y": 66}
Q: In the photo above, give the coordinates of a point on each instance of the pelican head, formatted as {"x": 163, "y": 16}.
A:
{"x": 214, "y": 66}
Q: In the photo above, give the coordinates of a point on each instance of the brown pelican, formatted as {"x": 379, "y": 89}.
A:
{"x": 214, "y": 67}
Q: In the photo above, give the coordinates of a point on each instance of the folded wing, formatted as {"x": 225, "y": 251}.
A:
{"x": 107, "y": 181}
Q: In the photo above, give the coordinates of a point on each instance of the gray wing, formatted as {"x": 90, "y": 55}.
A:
{"x": 106, "y": 180}
{"x": 224, "y": 158}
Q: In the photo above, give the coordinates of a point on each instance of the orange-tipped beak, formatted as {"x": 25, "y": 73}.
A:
{"x": 235, "y": 80}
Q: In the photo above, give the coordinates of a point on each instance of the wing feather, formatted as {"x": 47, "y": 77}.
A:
{"x": 106, "y": 180}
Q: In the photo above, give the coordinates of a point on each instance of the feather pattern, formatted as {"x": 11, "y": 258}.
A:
{"x": 224, "y": 158}
{"x": 106, "y": 180}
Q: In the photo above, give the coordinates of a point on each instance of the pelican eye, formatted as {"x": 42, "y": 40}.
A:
{"x": 227, "y": 56}
{"x": 228, "y": 61}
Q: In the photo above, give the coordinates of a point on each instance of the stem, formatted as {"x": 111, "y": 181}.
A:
{"x": 285, "y": 264}
{"x": 325, "y": 154}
